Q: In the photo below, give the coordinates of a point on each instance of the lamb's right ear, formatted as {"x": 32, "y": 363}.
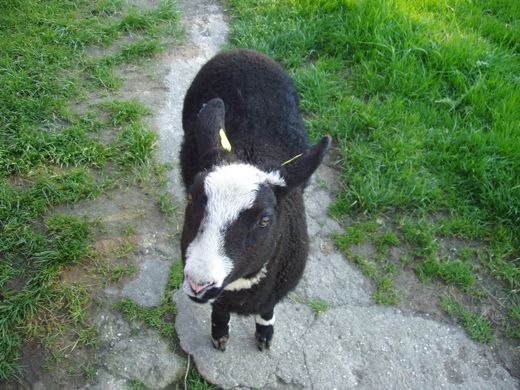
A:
{"x": 299, "y": 169}
{"x": 209, "y": 129}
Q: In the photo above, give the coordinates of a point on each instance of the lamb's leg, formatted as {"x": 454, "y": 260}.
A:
{"x": 219, "y": 326}
{"x": 264, "y": 329}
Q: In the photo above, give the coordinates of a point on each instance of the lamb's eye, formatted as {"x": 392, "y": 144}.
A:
{"x": 264, "y": 221}
{"x": 189, "y": 199}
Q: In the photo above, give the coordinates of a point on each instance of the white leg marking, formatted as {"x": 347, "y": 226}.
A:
{"x": 261, "y": 321}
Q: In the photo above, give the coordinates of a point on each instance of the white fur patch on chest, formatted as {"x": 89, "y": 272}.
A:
{"x": 247, "y": 283}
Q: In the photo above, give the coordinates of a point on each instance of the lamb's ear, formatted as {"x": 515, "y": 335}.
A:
{"x": 209, "y": 125}
{"x": 299, "y": 169}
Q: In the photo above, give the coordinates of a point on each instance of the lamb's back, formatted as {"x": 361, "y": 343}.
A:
{"x": 263, "y": 121}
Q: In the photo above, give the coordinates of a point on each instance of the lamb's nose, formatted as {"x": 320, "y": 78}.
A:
{"x": 198, "y": 287}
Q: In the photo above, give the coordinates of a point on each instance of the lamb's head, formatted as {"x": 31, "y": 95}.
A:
{"x": 232, "y": 223}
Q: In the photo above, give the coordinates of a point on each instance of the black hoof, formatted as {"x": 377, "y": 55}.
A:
{"x": 262, "y": 342}
{"x": 221, "y": 343}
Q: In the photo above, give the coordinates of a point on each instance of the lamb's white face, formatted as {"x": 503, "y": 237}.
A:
{"x": 228, "y": 190}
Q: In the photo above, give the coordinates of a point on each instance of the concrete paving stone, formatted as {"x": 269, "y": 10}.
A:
{"x": 146, "y": 357}
{"x": 147, "y": 288}
{"x": 346, "y": 347}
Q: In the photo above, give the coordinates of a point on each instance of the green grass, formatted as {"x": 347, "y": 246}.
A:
{"x": 452, "y": 272}
{"x": 195, "y": 381}
{"x": 379, "y": 270}
{"x": 89, "y": 372}
{"x": 386, "y": 292}
{"x": 176, "y": 277}
{"x": 318, "y": 305}
{"x": 135, "y": 384}
{"x": 51, "y": 155}
{"x": 422, "y": 101}
{"x": 378, "y": 77}
{"x": 134, "y": 145}
{"x": 167, "y": 204}
{"x": 477, "y": 326}
{"x": 123, "y": 112}
{"x": 34, "y": 303}
{"x": 158, "y": 317}
{"x": 113, "y": 273}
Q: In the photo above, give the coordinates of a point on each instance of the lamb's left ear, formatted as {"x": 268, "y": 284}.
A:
{"x": 298, "y": 170}
{"x": 209, "y": 129}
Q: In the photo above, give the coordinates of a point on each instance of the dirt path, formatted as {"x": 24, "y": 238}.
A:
{"x": 146, "y": 357}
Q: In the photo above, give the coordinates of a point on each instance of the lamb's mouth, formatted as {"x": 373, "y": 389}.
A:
{"x": 203, "y": 296}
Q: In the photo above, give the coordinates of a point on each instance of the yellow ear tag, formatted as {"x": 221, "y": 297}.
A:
{"x": 224, "y": 140}
{"x": 292, "y": 159}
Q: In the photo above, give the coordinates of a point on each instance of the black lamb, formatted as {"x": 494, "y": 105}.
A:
{"x": 245, "y": 159}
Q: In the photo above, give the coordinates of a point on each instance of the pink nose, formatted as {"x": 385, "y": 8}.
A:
{"x": 198, "y": 287}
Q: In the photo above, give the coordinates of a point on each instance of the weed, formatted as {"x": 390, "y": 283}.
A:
{"x": 124, "y": 250}
{"x": 134, "y": 145}
{"x": 513, "y": 327}
{"x": 129, "y": 230}
{"x": 322, "y": 183}
{"x": 380, "y": 271}
{"x": 385, "y": 240}
{"x": 135, "y": 384}
{"x": 101, "y": 73}
{"x": 368, "y": 268}
{"x": 318, "y": 305}
{"x": 89, "y": 372}
{"x": 113, "y": 273}
{"x": 139, "y": 50}
{"x": 195, "y": 381}
{"x": 355, "y": 234}
{"x": 420, "y": 235}
{"x": 477, "y": 326}
{"x": 166, "y": 204}
{"x": 450, "y": 305}
{"x": 88, "y": 336}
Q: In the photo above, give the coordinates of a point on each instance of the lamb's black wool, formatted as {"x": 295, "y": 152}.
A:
{"x": 254, "y": 100}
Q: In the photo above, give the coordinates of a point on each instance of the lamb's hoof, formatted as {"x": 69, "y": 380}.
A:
{"x": 220, "y": 343}
{"x": 262, "y": 342}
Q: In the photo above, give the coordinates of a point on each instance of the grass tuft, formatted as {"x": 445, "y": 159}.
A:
{"x": 195, "y": 381}
{"x": 157, "y": 317}
{"x": 136, "y": 384}
{"x": 166, "y": 204}
{"x": 452, "y": 272}
{"x": 124, "y": 112}
{"x": 134, "y": 145}
{"x": 318, "y": 305}
{"x": 176, "y": 276}
{"x": 477, "y": 326}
